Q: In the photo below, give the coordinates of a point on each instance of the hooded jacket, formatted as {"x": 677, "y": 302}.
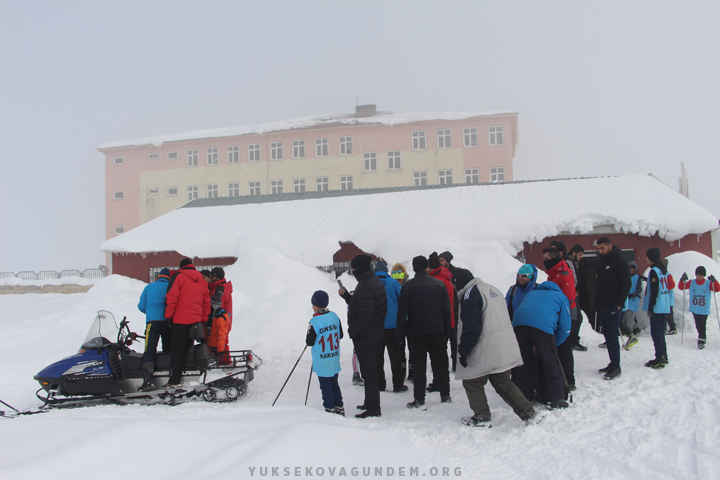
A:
{"x": 516, "y": 293}
{"x": 188, "y": 300}
{"x": 444, "y": 275}
{"x": 392, "y": 290}
{"x": 545, "y": 308}
{"x": 485, "y": 333}
{"x": 613, "y": 279}
{"x": 152, "y": 300}
{"x": 225, "y": 299}
{"x": 560, "y": 274}
{"x": 367, "y": 307}
{"x": 424, "y": 307}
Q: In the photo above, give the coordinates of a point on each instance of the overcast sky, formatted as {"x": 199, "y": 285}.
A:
{"x": 602, "y": 88}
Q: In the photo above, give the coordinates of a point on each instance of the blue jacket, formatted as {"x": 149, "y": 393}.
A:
{"x": 545, "y": 308}
{"x": 517, "y": 293}
{"x": 392, "y": 288}
{"x": 152, "y": 300}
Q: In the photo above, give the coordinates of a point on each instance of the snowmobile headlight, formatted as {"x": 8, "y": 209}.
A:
{"x": 81, "y": 351}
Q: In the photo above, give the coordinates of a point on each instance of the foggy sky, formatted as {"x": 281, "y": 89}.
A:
{"x": 602, "y": 88}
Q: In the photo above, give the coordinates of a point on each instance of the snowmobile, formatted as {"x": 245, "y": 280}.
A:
{"x": 110, "y": 372}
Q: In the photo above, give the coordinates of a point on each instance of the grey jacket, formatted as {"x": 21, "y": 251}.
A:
{"x": 496, "y": 350}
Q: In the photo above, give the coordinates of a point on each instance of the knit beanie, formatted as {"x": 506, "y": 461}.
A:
{"x": 164, "y": 271}
{"x": 419, "y": 263}
{"x": 461, "y": 277}
{"x": 434, "y": 261}
{"x": 185, "y": 261}
{"x": 320, "y": 299}
{"x": 700, "y": 271}
{"x": 653, "y": 254}
{"x": 361, "y": 264}
{"x": 527, "y": 270}
{"x": 380, "y": 267}
{"x": 447, "y": 256}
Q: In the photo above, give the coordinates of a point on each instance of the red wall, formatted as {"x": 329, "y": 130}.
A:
{"x": 631, "y": 241}
{"x": 135, "y": 265}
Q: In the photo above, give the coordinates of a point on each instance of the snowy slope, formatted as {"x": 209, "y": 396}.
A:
{"x": 645, "y": 425}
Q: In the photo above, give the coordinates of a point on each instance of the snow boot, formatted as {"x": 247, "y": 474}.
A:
{"x": 631, "y": 342}
{"x": 366, "y": 414}
{"x": 701, "y": 344}
{"x": 432, "y": 387}
{"x": 555, "y": 404}
{"x": 147, "y": 368}
{"x": 445, "y": 399}
{"x": 476, "y": 421}
{"x": 579, "y": 348}
{"x": 402, "y": 389}
{"x": 660, "y": 363}
{"x": 671, "y": 332}
{"x": 606, "y": 369}
{"x": 357, "y": 380}
{"x": 613, "y": 374}
{"x": 340, "y": 410}
{"x": 603, "y": 345}
{"x": 419, "y": 404}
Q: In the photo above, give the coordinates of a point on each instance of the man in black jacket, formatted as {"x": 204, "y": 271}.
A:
{"x": 424, "y": 317}
{"x": 367, "y": 307}
{"x": 612, "y": 288}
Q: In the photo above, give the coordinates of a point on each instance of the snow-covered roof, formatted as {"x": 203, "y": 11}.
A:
{"x": 386, "y": 118}
{"x": 465, "y": 218}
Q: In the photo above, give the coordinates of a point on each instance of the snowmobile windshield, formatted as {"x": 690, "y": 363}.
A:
{"x": 102, "y": 329}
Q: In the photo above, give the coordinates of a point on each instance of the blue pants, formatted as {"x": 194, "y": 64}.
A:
{"x": 154, "y": 331}
{"x": 331, "y": 395}
{"x": 609, "y": 318}
{"x": 657, "y": 331}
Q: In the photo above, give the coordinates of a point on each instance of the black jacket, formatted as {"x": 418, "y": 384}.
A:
{"x": 613, "y": 279}
{"x": 472, "y": 321}
{"x": 423, "y": 308}
{"x": 367, "y": 307}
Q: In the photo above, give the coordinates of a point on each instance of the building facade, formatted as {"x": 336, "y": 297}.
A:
{"x": 146, "y": 178}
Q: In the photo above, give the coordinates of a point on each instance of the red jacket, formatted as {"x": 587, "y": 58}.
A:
{"x": 226, "y": 300}
{"x": 444, "y": 274}
{"x": 188, "y": 300}
{"x": 562, "y": 276}
{"x": 714, "y": 286}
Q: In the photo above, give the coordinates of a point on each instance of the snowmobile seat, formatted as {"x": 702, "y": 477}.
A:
{"x": 132, "y": 361}
{"x": 162, "y": 361}
{"x": 203, "y": 353}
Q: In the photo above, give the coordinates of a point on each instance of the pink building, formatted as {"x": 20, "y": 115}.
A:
{"x": 147, "y": 177}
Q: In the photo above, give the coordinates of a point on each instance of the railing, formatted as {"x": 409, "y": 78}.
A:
{"x": 90, "y": 273}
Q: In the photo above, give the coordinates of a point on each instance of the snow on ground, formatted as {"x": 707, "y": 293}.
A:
{"x": 646, "y": 424}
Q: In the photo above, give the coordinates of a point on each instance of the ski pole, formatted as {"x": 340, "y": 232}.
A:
{"x": 291, "y": 372}
{"x": 717, "y": 312}
{"x": 308, "y": 389}
{"x": 682, "y": 328}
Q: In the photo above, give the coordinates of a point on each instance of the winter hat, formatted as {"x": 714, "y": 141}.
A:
{"x": 420, "y": 263}
{"x": 218, "y": 272}
{"x": 205, "y": 273}
{"x": 361, "y": 264}
{"x": 434, "y": 261}
{"x": 320, "y": 299}
{"x": 700, "y": 271}
{"x": 447, "y": 256}
{"x": 527, "y": 270}
{"x": 653, "y": 254}
{"x": 164, "y": 272}
{"x": 380, "y": 267}
{"x": 399, "y": 267}
{"x": 461, "y": 277}
{"x": 633, "y": 265}
{"x": 185, "y": 261}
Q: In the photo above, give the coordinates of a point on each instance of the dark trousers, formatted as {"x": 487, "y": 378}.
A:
{"x": 657, "y": 332}
{"x": 624, "y": 328}
{"x": 330, "y": 389}
{"x": 369, "y": 350}
{"x": 670, "y": 319}
{"x": 396, "y": 354}
{"x": 180, "y": 343}
{"x": 609, "y": 319}
{"x": 524, "y": 375}
{"x": 700, "y": 323}
{"x": 435, "y": 345}
{"x": 453, "y": 347}
{"x": 154, "y": 332}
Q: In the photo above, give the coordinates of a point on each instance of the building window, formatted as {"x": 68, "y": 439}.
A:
{"x": 298, "y": 148}
{"x": 118, "y": 160}
{"x": 321, "y": 147}
{"x": 419, "y": 178}
{"x": 254, "y": 152}
{"x": 322, "y": 184}
{"x": 153, "y": 191}
{"x": 172, "y": 155}
{"x": 298, "y": 185}
{"x": 472, "y": 175}
{"x": 345, "y": 145}
{"x": 444, "y": 139}
{"x": 119, "y": 230}
{"x": 276, "y": 186}
{"x": 497, "y": 174}
{"x": 370, "y": 161}
{"x": 470, "y": 137}
{"x": 418, "y": 140}
{"x": 153, "y": 156}
{"x": 172, "y": 191}
{"x": 393, "y": 158}
{"x": 212, "y": 191}
{"x": 346, "y": 182}
{"x": 496, "y": 136}
{"x": 233, "y": 189}
{"x": 276, "y": 151}
{"x": 445, "y": 177}
{"x": 192, "y": 157}
{"x": 234, "y": 154}
{"x": 119, "y": 195}
{"x": 212, "y": 156}
{"x": 192, "y": 193}
{"x": 254, "y": 188}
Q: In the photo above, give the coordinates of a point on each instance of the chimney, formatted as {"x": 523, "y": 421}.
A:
{"x": 365, "y": 110}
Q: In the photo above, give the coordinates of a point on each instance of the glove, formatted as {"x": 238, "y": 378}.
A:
{"x": 684, "y": 278}
{"x": 463, "y": 361}
{"x": 712, "y": 278}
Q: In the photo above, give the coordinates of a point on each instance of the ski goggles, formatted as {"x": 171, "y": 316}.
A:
{"x": 398, "y": 274}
